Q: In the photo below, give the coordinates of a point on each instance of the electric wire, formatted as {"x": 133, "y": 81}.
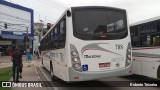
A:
{"x": 13, "y": 16}
{"x": 44, "y": 2}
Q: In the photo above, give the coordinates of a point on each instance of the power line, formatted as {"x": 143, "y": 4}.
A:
{"x": 13, "y": 16}
{"x": 53, "y": 2}
{"x": 45, "y": 2}
{"x": 12, "y": 24}
{"x": 13, "y": 19}
{"x": 13, "y": 29}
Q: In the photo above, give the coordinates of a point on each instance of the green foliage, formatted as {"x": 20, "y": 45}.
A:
{"x": 5, "y": 75}
{"x": 156, "y": 41}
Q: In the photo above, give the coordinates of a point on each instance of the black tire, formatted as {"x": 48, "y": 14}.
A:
{"x": 42, "y": 61}
{"x": 158, "y": 72}
{"x": 51, "y": 72}
{"x": 51, "y": 69}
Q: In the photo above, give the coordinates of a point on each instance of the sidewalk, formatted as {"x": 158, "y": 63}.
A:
{"x": 28, "y": 74}
{"x": 5, "y": 61}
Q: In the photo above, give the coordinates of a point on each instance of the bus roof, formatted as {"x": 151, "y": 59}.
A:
{"x": 145, "y": 21}
{"x": 69, "y": 8}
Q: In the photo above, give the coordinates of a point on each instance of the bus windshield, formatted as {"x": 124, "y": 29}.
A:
{"x": 99, "y": 22}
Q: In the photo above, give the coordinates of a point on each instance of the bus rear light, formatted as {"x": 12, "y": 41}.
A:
{"x": 103, "y": 36}
{"x": 77, "y": 66}
{"x": 76, "y": 63}
{"x": 129, "y": 61}
{"x": 74, "y": 53}
{"x": 128, "y": 55}
{"x": 129, "y": 50}
{"x": 76, "y": 60}
{"x": 76, "y": 77}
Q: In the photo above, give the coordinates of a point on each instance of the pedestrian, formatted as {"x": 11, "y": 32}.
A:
{"x": 16, "y": 59}
{"x": 29, "y": 59}
{"x": 21, "y": 65}
{"x": 10, "y": 53}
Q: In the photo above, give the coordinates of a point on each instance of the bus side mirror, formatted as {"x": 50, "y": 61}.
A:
{"x": 68, "y": 13}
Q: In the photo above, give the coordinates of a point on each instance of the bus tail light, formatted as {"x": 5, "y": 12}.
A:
{"x": 76, "y": 63}
{"x": 128, "y": 55}
{"x": 76, "y": 78}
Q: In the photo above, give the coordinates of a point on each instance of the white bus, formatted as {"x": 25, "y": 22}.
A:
{"x": 145, "y": 37}
{"x": 88, "y": 43}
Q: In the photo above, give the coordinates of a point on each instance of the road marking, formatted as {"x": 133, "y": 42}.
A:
{"x": 48, "y": 79}
{"x": 37, "y": 74}
{"x": 36, "y": 70}
{"x": 39, "y": 78}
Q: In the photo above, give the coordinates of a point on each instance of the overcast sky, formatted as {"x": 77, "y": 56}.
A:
{"x": 50, "y": 10}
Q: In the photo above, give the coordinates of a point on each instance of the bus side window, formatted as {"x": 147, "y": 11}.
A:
{"x": 55, "y": 37}
{"x": 156, "y": 41}
{"x": 62, "y": 34}
{"x": 145, "y": 41}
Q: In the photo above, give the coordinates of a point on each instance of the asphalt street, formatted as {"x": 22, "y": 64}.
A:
{"x": 114, "y": 83}
{"x": 38, "y": 73}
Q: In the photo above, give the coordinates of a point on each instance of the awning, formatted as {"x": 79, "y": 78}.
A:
{"x": 8, "y": 36}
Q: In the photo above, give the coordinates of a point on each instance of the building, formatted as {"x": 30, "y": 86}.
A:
{"x": 40, "y": 30}
{"x": 16, "y": 22}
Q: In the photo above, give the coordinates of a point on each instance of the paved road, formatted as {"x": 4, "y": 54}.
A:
{"x": 42, "y": 74}
{"x": 115, "y": 83}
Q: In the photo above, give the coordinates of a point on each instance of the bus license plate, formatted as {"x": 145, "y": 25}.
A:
{"x": 103, "y": 65}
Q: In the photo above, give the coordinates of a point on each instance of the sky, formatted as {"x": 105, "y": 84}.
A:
{"x": 50, "y": 10}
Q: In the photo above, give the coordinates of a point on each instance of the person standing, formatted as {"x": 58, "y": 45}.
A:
{"x": 29, "y": 59}
{"x": 21, "y": 65}
{"x": 16, "y": 59}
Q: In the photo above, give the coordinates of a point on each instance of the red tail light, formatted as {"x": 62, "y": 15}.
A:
{"x": 103, "y": 36}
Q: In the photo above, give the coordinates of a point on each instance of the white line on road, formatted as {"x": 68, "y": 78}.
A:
{"x": 39, "y": 78}
{"x": 36, "y": 70}
{"x": 37, "y": 74}
{"x": 48, "y": 79}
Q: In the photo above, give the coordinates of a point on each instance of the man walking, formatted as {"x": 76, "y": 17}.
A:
{"x": 16, "y": 59}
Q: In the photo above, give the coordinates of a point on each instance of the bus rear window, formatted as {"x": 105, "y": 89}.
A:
{"x": 94, "y": 23}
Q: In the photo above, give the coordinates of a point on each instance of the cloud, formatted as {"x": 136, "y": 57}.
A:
{"x": 137, "y": 9}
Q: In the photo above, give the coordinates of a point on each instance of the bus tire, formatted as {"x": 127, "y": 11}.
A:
{"x": 51, "y": 72}
{"x": 158, "y": 72}
{"x": 51, "y": 69}
{"x": 42, "y": 61}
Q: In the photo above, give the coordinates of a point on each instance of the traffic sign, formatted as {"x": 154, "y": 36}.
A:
{"x": 85, "y": 67}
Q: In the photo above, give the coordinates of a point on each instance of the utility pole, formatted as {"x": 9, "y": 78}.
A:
{"x": 27, "y": 40}
{"x": 40, "y": 35}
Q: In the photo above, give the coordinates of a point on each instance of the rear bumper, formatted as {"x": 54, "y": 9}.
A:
{"x": 85, "y": 76}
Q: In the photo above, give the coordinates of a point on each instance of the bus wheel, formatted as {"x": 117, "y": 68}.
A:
{"x": 51, "y": 69}
{"x": 42, "y": 61}
{"x": 158, "y": 72}
{"x": 52, "y": 73}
